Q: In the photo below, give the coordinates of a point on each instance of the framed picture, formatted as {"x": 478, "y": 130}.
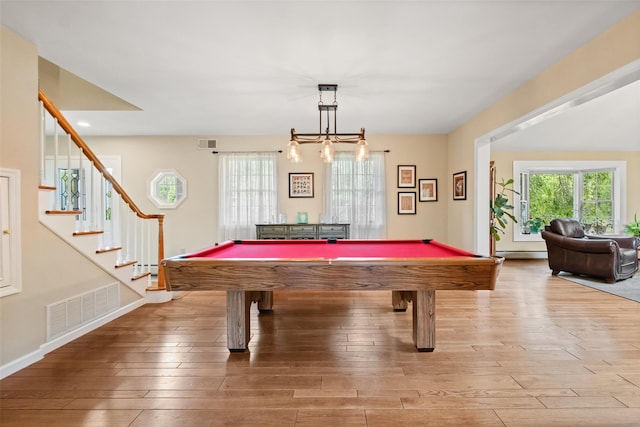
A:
{"x": 428, "y": 190}
{"x": 460, "y": 186}
{"x": 406, "y": 176}
{"x": 301, "y": 184}
{"x": 407, "y": 203}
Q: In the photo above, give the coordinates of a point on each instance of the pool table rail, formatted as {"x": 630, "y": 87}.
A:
{"x": 406, "y": 274}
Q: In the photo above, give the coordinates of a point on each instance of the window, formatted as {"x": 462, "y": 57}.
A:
{"x": 248, "y": 193}
{"x": 356, "y": 194}
{"x": 167, "y": 189}
{"x": 587, "y": 191}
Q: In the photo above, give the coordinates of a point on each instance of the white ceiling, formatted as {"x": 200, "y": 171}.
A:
{"x": 252, "y": 67}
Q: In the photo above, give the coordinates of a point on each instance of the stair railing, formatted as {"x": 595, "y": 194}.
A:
{"x": 81, "y": 185}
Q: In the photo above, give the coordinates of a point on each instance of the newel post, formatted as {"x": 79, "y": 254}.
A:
{"x": 161, "y": 284}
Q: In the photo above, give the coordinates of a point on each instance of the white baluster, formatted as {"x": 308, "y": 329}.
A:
{"x": 69, "y": 175}
{"x": 94, "y": 200}
{"x": 128, "y": 232}
{"x": 82, "y": 184}
{"x": 56, "y": 182}
{"x": 135, "y": 243}
{"x": 43, "y": 125}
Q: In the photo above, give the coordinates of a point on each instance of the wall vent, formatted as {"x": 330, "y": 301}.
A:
{"x": 206, "y": 144}
{"x": 69, "y": 314}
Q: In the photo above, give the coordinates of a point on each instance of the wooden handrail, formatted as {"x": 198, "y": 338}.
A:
{"x": 64, "y": 124}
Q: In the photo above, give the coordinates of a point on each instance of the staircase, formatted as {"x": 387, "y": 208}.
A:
{"x": 81, "y": 202}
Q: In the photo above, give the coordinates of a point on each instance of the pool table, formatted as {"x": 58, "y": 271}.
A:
{"x": 249, "y": 271}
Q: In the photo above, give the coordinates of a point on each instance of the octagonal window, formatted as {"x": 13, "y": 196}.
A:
{"x": 167, "y": 189}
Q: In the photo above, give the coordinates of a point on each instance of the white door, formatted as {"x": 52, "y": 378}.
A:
{"x": 5, "y": 228}
{"x": 10, "y": 260}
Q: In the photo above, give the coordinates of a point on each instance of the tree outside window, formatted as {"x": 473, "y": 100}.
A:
{"x": 587, "y": 191}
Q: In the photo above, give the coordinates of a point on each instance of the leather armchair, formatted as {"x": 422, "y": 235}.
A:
{"x": 569, "y": 249}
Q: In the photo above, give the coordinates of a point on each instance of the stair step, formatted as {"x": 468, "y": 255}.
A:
{"x": 84, "y": 233}
{"x": 125, "y": 264}
{"x": 54, "y": 212}
{"x": 102, "y": 251}
{"x": 140, "y": 276}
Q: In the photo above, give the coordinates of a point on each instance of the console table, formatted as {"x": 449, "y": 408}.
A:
{"x": 302, "y": 231}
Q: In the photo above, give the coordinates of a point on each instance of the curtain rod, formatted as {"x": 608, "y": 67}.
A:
{"x": 251, "y": 151}
{"x": 280, "y": 151}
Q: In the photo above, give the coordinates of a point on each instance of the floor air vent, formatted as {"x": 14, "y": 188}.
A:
{"x": 71, "y": 313}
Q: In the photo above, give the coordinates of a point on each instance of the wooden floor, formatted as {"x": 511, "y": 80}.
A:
{"x": 537, "y": 351}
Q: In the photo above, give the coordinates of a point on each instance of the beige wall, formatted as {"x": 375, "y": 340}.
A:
{"x": 51, "y": 270}
{"x": 618, "y": 46}
{"x": 194, "y": 223}
{"x": 504, "y": 167}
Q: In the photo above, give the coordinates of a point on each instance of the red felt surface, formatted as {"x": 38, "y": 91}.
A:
{"x": 322, "y": 249}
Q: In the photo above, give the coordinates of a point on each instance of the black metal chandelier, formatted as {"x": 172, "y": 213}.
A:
{"x": 326, "y": 136}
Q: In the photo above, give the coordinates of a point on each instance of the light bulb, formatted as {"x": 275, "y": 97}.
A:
{"x": 327, "y": 150}
{"x": 293, "y": 152}
{"x": 362, "y": 150}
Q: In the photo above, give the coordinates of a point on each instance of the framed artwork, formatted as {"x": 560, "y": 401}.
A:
{"x": 406, "y": 176}
{"x": 428, "y": 190}
{"x": 300, "y": 184}
{"x": 406, "y": 203}
{"x": 460, "y": 186}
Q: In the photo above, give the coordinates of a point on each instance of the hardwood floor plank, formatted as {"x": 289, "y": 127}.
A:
{"x": 432, "y": 417}
{"x": 215, "y": 418}
{"x": 581, "y": 402}
{"x": 67, "y": 418}
{"x": 583, "y": 417}
{"x": 332, "y": 417}
{"x": 439, "y": 402}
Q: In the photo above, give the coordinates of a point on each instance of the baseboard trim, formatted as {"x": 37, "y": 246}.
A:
{"x": 522, "y": 254}
{"x": 31, "y": 358}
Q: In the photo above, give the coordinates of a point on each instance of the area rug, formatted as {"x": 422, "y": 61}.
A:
{"x": 629, "y": 288}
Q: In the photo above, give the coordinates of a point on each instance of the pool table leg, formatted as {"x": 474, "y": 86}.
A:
{"x": 265, "y": 301}
{"x": 424, "y": 320}
{"x": 400, "y": 300}
{"x": 238, "y": 323}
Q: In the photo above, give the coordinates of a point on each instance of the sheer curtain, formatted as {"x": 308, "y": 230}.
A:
{"x": 355, "y": 194}
{"x": 247, "y": 193}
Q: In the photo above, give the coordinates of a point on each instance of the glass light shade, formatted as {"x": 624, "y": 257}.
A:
{"x": 327, "y": 151}
{"x": 362, "y": 150}
{"x": 293, "y": 152}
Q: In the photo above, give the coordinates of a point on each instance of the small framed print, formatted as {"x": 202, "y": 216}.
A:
{"x": 300, "y": 185}
{"x": 460, "y": 186}
{"x": 406, "y": 203}
{"x": 406, "y": 176}
{"x": 428, "y": 190}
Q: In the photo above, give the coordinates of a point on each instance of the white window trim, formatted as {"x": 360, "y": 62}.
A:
{"x": 619, "y": 187}
{"x": 15, "y": 246}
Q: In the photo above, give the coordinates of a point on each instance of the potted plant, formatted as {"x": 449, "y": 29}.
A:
{"x": 534, "y": 224}
{"x": 633, "y": 228}
{"x": 501, "y": 209}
